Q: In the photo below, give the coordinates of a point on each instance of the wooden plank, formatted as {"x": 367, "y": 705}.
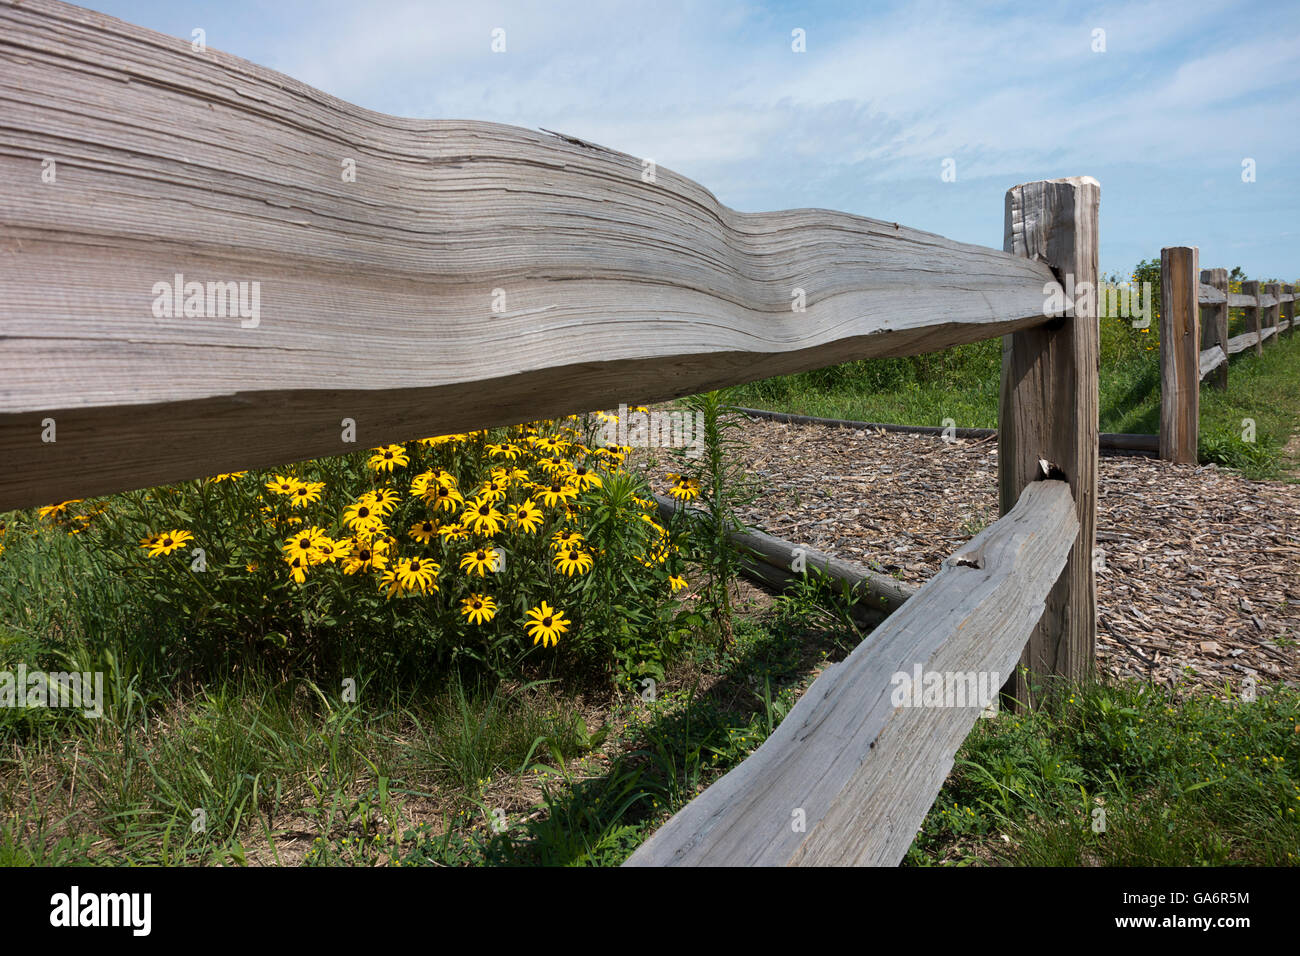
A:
{"x": 1048, "y": 410}
{"x": 378, "y": 297}
{"x": 1214, "y": 324}
{"x": 1253, "y": 319}
{"x": 1207, "y": 294}
{"x": 863, "y": 770}
{"x": 1274, "y": 314}
{"x": 773, "y": 559}
{"x": 1211, "y": 359}
{"x": 1247, "y": 340}
{"x": 1238, "y": 301}
{"x": 1180, "y": 352}
{"x": 1288, "y": 310}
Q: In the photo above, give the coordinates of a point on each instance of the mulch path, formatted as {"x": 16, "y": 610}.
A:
{"x": 1201, "y": 577}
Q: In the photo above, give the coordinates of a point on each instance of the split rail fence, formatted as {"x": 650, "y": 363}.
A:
{"x": 468, "y": 275}
{"x": 1194, "y": 342}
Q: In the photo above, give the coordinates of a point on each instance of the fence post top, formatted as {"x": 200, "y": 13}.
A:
{"x": 1069, "y": 180}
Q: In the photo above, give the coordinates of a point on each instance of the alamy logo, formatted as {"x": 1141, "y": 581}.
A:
{"x": 75, "y": 690}
{"x": 923, "y": 688}
{"x": 102, "y": 909}
{"x": 656, "y": 430}
{"x": 215, "y": 300}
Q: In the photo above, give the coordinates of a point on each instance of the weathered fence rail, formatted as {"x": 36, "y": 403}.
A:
{"x": 850, "y": 773}
{"x": 1194, "y": 342}
{"x": 461, "y": 275}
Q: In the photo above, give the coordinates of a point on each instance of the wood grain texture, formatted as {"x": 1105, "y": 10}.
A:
{"x": 1273, "y": 315}
{"x": 863, "y": 770}
{"x": 1180, "y": 352}
{"x": 1288, "y": 310}
{"x": 377, "y": 296}
{"x": 1247, "y": 340}
{"x": 1211, "y": 359}
{"x": 1214, "y": 325}
{"x": 1048, "y": 410}
{"x": 1207, "y": 293}
{"x": 1254, "y": 319}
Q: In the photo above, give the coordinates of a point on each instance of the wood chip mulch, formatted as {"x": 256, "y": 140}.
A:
{"x": 1201, "y": 579}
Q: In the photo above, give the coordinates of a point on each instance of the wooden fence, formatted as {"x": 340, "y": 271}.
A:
{"x": 1194, "y": 342}
{"x": 468, "y": 275}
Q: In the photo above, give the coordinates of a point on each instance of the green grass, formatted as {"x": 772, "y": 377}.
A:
{"x": 961, "y": 384}
{"x": 1121, "y": 776}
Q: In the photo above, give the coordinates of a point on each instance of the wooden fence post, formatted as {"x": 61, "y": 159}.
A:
{"x": 1275, "y": 310}
{"x": 1180, "y": 353}
{"x": 1048, "y": 410}
{"x": 1288, "y": 312}
{"x": 1214, "y": 324}
{"x": 1252, "y": 315}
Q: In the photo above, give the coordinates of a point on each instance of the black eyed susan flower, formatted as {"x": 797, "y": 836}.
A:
{"x": 365, "y": 556}
{"x": 443, "y": 498}
{"x": 385, "y": 500}
{"x": 572, "y": 560}
{"x": 282, "y": 484}
{"x": 362, "y": 514}
{"x": 554, "y": 465}
{"x": 303, "y": 542}
{"x": 526, "y": 516}
{"x": 455, "y": 531}
{"x": 492, "y": 490}
{"x": 479, "y": 608}
{"x": 168, "y": 541}
{"x": 583, "y": 477}
{"x": 387, "y": 457}
{"x": 306, "y": 493}
{"x": 481, "y": 517}
{"x": 418, "y": 574}
{"x": 684, "y": 488}
{"x": 423, "y": 531}
{"x": 298, "y": 564}
{"x": 677, "y": 582}
{"x": 550, "y": 445}
{"x": 506, "y": 450}
{"x": 546, "y": 624}
{"x": 479, "y": 561}
{"x": 566, "y": 539}
{"x": 420, "y": 484}
{"x": 557, "y": 492}
{"x": 227, "y": 476}
{"x": 328, "y": 551}
{"x": 55, "y": 511}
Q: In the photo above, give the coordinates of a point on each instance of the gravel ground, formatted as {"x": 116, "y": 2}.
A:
{"x": 1201, "y": 577}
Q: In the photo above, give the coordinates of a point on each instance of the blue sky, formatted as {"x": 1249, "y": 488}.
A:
{"x": 864, "y": 119}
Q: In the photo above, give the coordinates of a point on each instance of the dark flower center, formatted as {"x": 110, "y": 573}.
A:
{"x": 480, "y": 555}
{"x": 546, "y": 622}
{"x": 167, "y": 542}
{"x": 477, "y": 605}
